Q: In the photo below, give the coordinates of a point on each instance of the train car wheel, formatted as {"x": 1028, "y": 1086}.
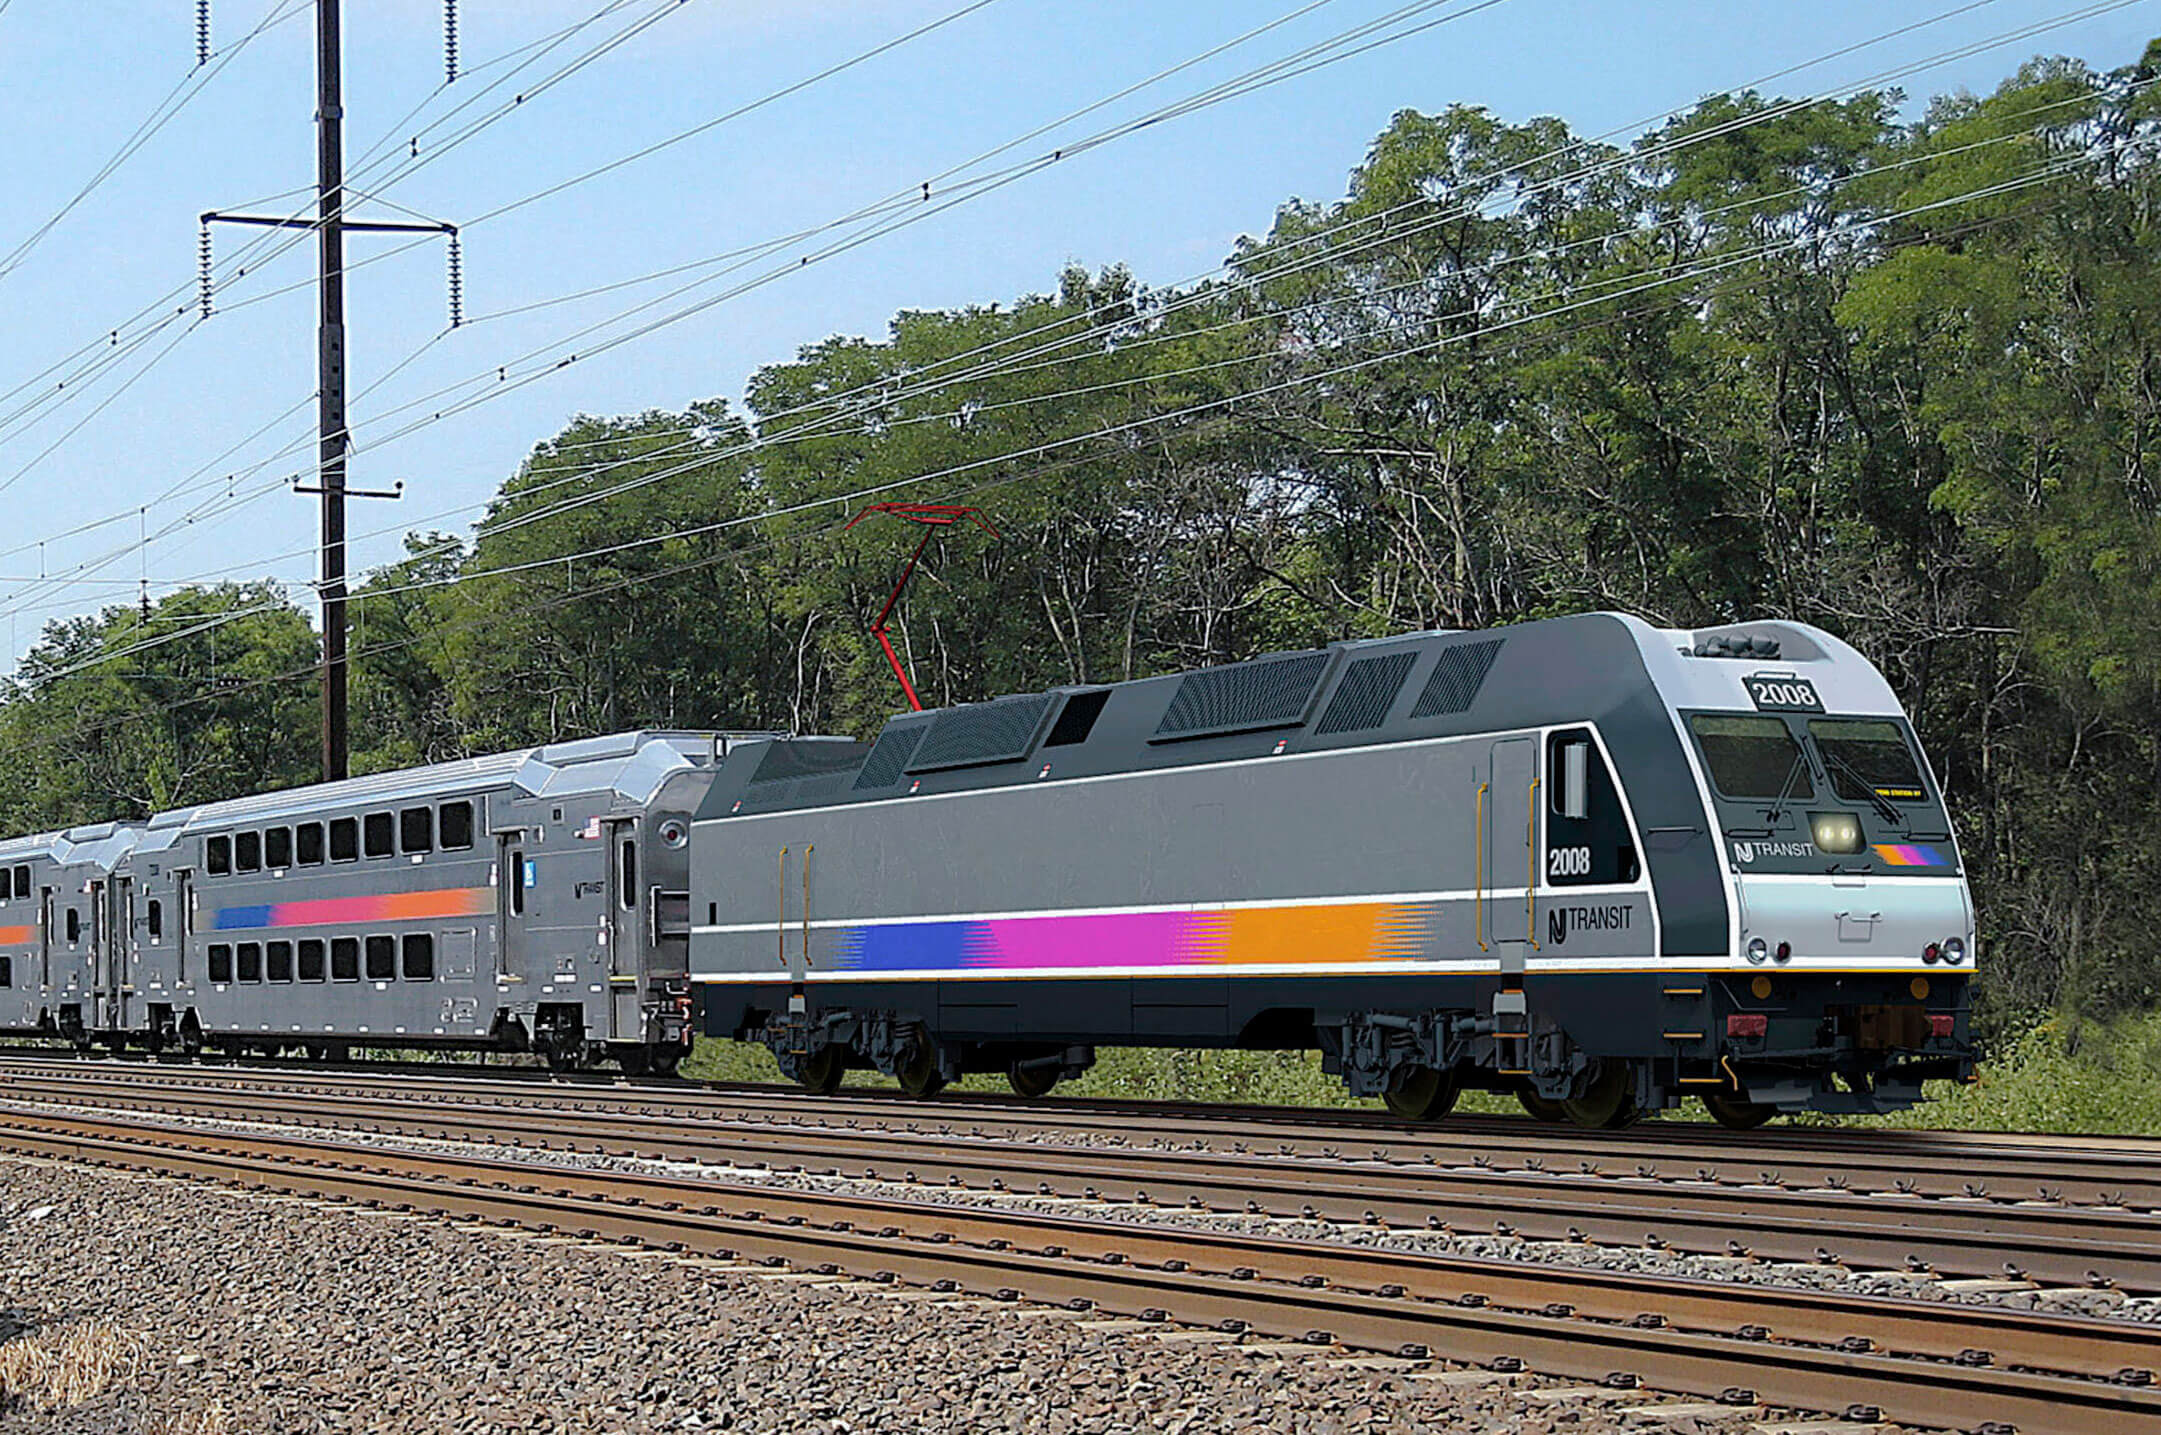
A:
{"x": 1421, "y": 1094}
{"x": 666, "y": 1059}
{"x": 1031, "y": 1081}
{"x": 1737, "y": 1113}
{"x": 1540, "y": 1107}
{"x": 919, "y": 1075}
{"x": 1609, "y": 1102}
{"x": 820, "y": 1072}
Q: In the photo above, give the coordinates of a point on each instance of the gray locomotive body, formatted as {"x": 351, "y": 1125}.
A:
{"x": 1578, "y": 859}
{"x": 527, "y": 900}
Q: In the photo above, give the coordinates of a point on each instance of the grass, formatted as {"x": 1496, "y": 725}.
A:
{"x": 2062, "y": 1075}
{"x": 67, "y": 1365}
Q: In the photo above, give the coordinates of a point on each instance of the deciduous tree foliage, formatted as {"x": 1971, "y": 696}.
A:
{"x": 1899, "y": 379}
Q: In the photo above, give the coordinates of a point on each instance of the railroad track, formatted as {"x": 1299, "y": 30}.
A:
{"x": 2003, "y": 1168}
{"x": 1915, "y": 1362}
{"x": 2070, "y": 1246}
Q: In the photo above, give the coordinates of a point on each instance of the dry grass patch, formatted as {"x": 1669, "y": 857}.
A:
{"x": 210, "y": 1420}
{"x": 65, "y": 1366}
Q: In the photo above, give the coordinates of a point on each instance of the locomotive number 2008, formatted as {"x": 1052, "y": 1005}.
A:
{"x": 1568, "y": 862}
{"x": 1791, "y": 695}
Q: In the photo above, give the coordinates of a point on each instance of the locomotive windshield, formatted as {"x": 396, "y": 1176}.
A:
{"x": 1867, "y": 759}
{"x": 1752, "y": 756}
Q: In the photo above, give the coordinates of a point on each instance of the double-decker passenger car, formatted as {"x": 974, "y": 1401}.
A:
{"x": 528, "y": 900}
{"x": 1600, "y": 864}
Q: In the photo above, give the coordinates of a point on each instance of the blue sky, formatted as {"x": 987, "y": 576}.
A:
{"x": 76, "y": 77}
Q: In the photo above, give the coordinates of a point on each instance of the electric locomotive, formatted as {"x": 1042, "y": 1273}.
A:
{"x": 1601, "y": 865}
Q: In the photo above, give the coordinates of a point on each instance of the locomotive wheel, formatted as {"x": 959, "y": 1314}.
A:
{"x": 919, "y": 1076}
{"x": 1738, "y": 1113}
{"x": 1541, "y": 1108}
{"x": 820, "y": 1073}
{"x": 1609, "y": 1102}
{"x": 666, "y": 1059}
{"x": 635, "y": 1060}
{"x": 1031, "y": 1081}
{"x": 1423, "y": 1094}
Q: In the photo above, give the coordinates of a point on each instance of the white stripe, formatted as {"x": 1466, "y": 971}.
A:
{"x": 1661, "y": 967}
{"x": 1464, "y": 894}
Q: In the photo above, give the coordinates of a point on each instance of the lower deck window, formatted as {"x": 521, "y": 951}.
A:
{"x": 311, "y": 959}
{"x": 382, "y": 958}
{"x": 7, "y": 971}
{"x": 345, "y": 959}
{"x": 251, "y": 961}
{"x": 280, "y": 962}
{"x": 419, "y": 957}
{"x": 221, "y": 962}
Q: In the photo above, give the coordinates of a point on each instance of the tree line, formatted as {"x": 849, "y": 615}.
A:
{"x": 1898, "y": 378}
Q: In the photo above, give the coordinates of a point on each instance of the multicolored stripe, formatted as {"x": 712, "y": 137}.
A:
{"x": 359, "y": 911}
{"x": 1910, "y": 854}
{"x": 1246, "y": 936}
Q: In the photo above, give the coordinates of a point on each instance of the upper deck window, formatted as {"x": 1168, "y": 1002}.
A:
{"x": 1864, "y": 755}
{"x": 1752, "y": 757}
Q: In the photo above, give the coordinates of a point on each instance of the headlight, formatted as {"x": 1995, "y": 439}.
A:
{"x": 1835, "y": 831}
{"x": 1954, "y": 950}
{"x": 1759, "y": 951}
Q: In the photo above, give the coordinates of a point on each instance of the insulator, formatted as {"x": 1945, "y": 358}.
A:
{"x": 457, "y": 283}
{"x": 202, "y": 32}
{"x": 202, "y": 249}
{"x": 450, "y": 41}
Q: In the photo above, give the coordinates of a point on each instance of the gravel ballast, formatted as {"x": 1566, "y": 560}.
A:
{"x": 244, "y": 1312}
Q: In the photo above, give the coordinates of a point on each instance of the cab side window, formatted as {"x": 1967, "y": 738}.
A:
{"x": 1587, "y": 837}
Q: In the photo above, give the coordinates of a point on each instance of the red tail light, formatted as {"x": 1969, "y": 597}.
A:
{"x": 1747, "y": 1024}
{"x": 1941, "y": 1025}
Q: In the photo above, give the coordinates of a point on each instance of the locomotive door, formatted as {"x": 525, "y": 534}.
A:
{"x": 1507, "y": 843}
{"x": 625, "y": 914}
{"x": 104, "y": 960}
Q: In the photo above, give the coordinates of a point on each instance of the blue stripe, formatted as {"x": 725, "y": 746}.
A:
{"x": 236, "y": 919}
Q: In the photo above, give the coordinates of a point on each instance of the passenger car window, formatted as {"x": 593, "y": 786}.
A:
{"x": 278, "y": 848}
{"x": 382, "y": 958}
{"x": 377, "y": 833}
{"x": 630, "y": 872}
{"x": 1752, "y": 757}
{"x": 416, "y": 829}
{"x": 345, "y": 840}
{"x": 345, "y": 959}
{"x": 7, "y": 971}
{"x": 157, "y": 920}
{"x": 75, "y": 926}
{"x": 419, "y": 957}
{"x": 279, "y": 966}
{"x": 310, "y": 835}
{"x": 218, "y": 855}
{"x": 251, "y": 961}
{"x": 247, "y": 852}
{"x": 221, "y": 962}
{"x": 22, "y": 881}
{"x": 311, "y": 959}
{"x": 455, "y": 825}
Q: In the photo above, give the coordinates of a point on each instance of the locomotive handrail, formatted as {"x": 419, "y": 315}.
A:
{"x": 780, "y": 928}
{"x": 1478, "y": 869}
{"x": 1530, "y": 889}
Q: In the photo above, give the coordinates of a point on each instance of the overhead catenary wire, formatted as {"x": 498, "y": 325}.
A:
{"x": 1903, "y": 29}
{"x": 849, "y": 500}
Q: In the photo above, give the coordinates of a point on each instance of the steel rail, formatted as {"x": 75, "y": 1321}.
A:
{"x": 2077, "y": 1245}
{"x": 1700, "y": 1337}
{"x": 1996, "y": 1167}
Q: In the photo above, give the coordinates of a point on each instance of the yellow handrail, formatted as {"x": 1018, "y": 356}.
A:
{"x": 807, "y": 850}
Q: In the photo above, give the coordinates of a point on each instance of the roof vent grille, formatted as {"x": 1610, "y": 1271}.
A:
{"x": 785, "y": 760}
{"x": 1368, "y": 690}
{"x": 889, "y": 758}
{"x": 981, "y": 732}
{"x": 1267, "y": 692}
{"x": 1457, "y": 676}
